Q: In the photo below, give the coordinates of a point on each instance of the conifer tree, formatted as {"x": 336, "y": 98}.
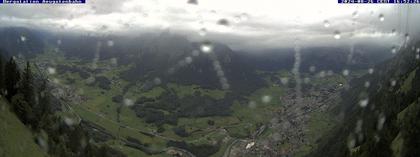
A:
{"x": 12, "y": 78}
{"x": 27, "y": 86}
{"x": 1, "y": 75}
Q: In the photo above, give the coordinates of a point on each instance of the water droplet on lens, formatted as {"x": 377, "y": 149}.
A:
{"x": 203, "y": 32}
{"x": 244, "y": 16}
{"x": 370, "y": 70}
{"x": 326, "y": 23}
{"x": 110, "y": 43}
{"x": 355, "y": 14}
{"x": 223, "y": 22}
{"x": 206, "y": 47}
{"x": 195, "y": 53}
{"x": 157, "y": 81}
{"x": 346, "y": 72}
{"x": 306, "y": 80}
{"x": 381, "y": 17}
{"x": 284, "y": 80}
{"x": 394, "y": 50}
{"x": 22, "y": 38}
{"x": 364, "y": 102}
{"x": 312, "y": 69}
{"x": 394, "y": 31}
{"x": 266, "y": 99}
{"x": 237, "y": 19}
{"x": 367, "y": 84}
{"x": 51, "y": 70}
{"x": 381, "y": 121}
{"x": 252, "y": 104}
{"x": 128, "y": 102}
{"x": 69, "y": 121}
{"x": 351, "y": 143}
{"x": 322, "y": 74}
{"x": 407, "y": 37}
{"x": 114, "y": 62}
{"x": 393, "y": 82}
{"x": 188, "y": 60}
{"x": 59, "y": 42}
{"x": 337, "y": 35}
{"x": 193, "y": 2}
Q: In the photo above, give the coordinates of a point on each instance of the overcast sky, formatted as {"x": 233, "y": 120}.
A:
{"x": 249, "y": 24}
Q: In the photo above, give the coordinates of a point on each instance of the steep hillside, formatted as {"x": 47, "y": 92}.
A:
{"x": 381, "y": 112}
{"x": 16, "y": 140}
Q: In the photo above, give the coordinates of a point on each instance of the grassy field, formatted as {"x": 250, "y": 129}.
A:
{"x": 15, "y": 139}
{"x": 99, "y": 108}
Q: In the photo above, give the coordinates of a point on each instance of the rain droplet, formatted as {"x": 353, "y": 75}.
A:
{"x": 58, "y": 42}
{"x": 346, "y": 72}
{"x": 193, "y": 2}
{"x": 359, "y": 125}
{"x": 252, "y": 104}
{"x": 69, "y": 121}
{"x": 355, "y": 14}
{"x": 367, "y": 84}
{"x": 110, "y": 43}
{"x": 417, "y": 56}
{"x": 312, "y": 69}
{"x": 284, "y": 80}
{"x": 114, "y": 61}
{"x": 351, "y": 143}
{"x": 244, "y": 16}
{"x": 381, "y": 17}
{"x": 394, "y": 50}
{"x": 326, "y": 23}
{"x": 206, "y": 47}
{"x": 322, "y": 74}
{"x": 418, "y": 50}
{"x": 394, "y": 31}
{"x": 223, "y": 22}
{"x": 56, "y": 81}
{"x": 195, "y": 53}
{"x": 157, "y": 81}
{"x": 22, "y": 38}
{"x": 330, "y": 73}
{"x": 51, "y": 70}
{"x": 381, "y": 121}
{"x": 370, "y": 70}
{"x": 364, "y": 102}
{"x": 203, "y": 32}
{"x": 337, "y": 35}
{"x": 220, "y": 73}
{"x": 237, "y": 19}
{"x": 407, "y": 37}
{"x": 393, "y": 83}
{"x": 306, "y": 80}
{"x": 266, "y": 99}
{"x": 90, "y": 80}
{"x": 225, "y": 86}
{"x": 42, "y": 143}
{"x": 128, "y": 102}
{"x": 188, "y": 60}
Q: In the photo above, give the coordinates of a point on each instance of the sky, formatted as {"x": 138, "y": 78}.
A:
{"x": 241, "y": 24}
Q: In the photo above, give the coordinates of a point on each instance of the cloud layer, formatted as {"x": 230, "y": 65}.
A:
{"x": 254, "y": 24}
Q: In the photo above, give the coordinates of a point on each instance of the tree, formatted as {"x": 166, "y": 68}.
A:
{"x": 1, "y": 75}
{"x": 22, "y": 108}
{"x": 27, "y": 86}
{"x": 12, "y": 78}
{"x": 43, "y": 110}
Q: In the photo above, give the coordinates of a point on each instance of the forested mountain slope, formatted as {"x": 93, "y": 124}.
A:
{"x": 382, "y": 111}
